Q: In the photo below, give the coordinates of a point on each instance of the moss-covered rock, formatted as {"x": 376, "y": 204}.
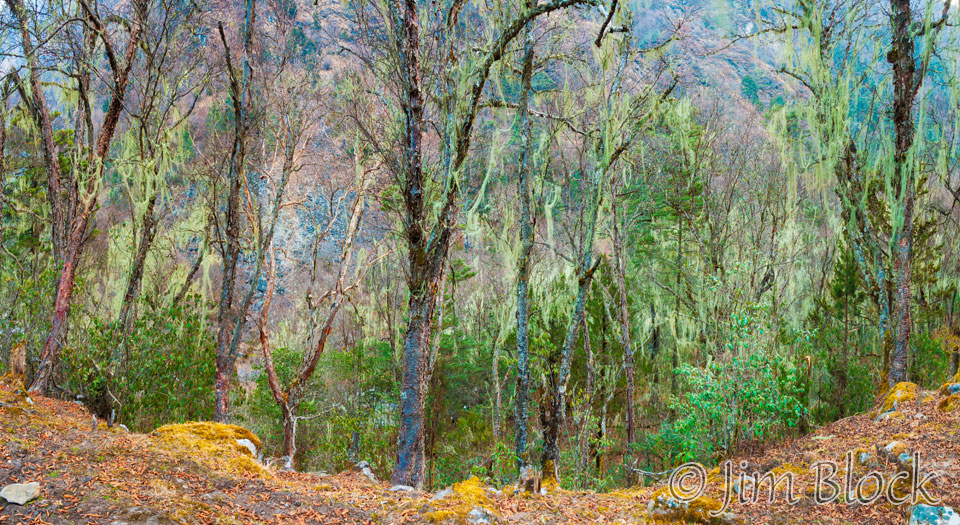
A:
{"x": 898, "y": 395}
{"x": 464, "y": 502}
{"x": 949, "y": 403}
{"x": 229, "y": 445}
{"x": 665, "y": 506}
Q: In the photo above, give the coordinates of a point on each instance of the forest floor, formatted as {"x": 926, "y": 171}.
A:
{"x": 114, "y": 476}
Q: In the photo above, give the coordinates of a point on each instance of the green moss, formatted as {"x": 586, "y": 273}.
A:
{"x": 899, "y": 394}
{"x": 212, "y": 443}
{"x": 949, "y": 404}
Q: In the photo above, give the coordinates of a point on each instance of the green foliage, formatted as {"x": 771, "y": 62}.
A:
{"x": 756, "y": 397}
{"x": 27, "y": 302}
{"x": 929, "y": 364}
{"x": 749, "y": 90}
{"x": 165, "y": 368}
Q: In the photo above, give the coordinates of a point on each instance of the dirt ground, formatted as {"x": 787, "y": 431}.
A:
{"x": 113, "y": 476}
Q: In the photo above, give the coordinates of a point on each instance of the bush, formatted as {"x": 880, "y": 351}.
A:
{"x": 165, "y": 369}
{"x": 747, "y": 398}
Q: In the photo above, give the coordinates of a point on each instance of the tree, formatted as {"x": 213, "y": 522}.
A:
{"x": 74, "y": 193}
{"x": 847, "y": 134}
{"x": 622, "y": 117}
{"x": 430, "y": 225}
{"x": 230, "y": 324}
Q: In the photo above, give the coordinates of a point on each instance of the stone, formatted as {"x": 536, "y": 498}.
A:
{"x": 888, "y": 415}
{"x": 928, "y": 515}
{"x": 443, "y": 494}
{"x": 480, "y": 515}
{"x": 899, "y": 395}
{"x": 665, "y": 507}
{"x": 249, "y": 445}
{"x": 748, "y": 484}
{"x": 365, "y": 469}
{"x": 20, "y": 493}
{"x": 401, "y": 488}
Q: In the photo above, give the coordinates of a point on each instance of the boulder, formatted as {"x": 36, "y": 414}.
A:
{"x": 20, "y": 493}
{"x": 898, "y": 395}
{"x": 664, "y": 507}
{"x": 950, "y": 403}
{"x": 928, "y": 515}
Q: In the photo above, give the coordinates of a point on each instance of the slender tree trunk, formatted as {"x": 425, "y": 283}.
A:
{"x": 497, "y": 397}
{"x": 554, "y": 406}
{"x": 226, "y": 318}
{"x": 526, "y": 249}
{"x": 676, "y": 314}
{"x": 901, "y": 57}
{"x": 289, "y": 436}
{"x": 134, "y": 283}
{"x": 624, "y": 328}
{"x": 81, "y": 210}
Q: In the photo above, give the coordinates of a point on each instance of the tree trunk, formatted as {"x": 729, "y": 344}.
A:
{"x": 901, "y": 57}
{"x": 226, "y": 319}
{"x": 74, "y": 224}
{"x": 676, "y": 313}
{"x": 134, "y": 284}
{"x": 624, "y": 328}
{"x": 289, "y": 436}
{"x": 410, "y": 466}
{"x": 526, "y": 249}
{"x": 497, "y": 397}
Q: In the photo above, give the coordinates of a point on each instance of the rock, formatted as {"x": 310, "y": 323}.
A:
{"x": 365, "y": 469}
{"x": 898, "y": 395}
{"x": 905, "y": 461}
{"x": 480, "y": 515}
{"x": 950, "y": 388}
{"x": 950, "y": 403}
{"x": 748, "y": 483}
{"x": 665, "y": 507}
{"x": 443, "y": 494}
{"x": 894, "y": 449}
{"x": 529, "y": 480}
{"x": 888, "y": 415}
{"x": 401, "y": 488}
{"x": 20, "y": 493}
{"x": 249, "y": 445}
{"x": 927, "y": 515}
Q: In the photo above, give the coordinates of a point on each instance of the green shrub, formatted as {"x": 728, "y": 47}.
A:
{"x": 165, "y": 369}
{"x": 753, "y": 397}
